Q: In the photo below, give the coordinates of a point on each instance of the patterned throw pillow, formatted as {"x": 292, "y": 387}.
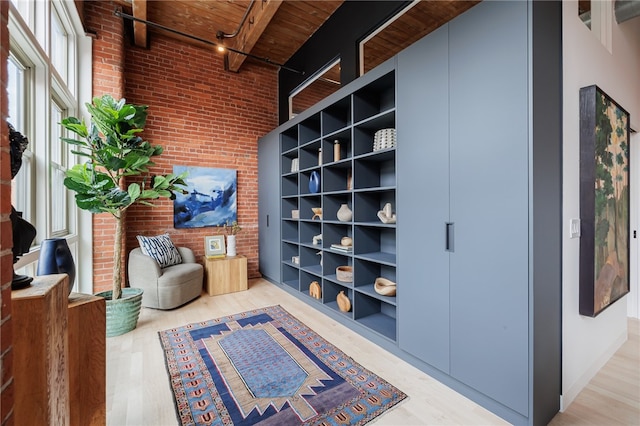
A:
{"x": 161, "y": 248}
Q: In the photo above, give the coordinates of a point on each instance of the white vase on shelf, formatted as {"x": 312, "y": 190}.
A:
{"x": 231, "y": 245}
{"x": 344, "y": 213}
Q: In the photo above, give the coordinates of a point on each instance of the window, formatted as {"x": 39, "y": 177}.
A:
{"x": 59, "y": 193}
{"x": 46, "y": 83}
{"x": 17, "y": 90}
{"x": 59, "y": 45}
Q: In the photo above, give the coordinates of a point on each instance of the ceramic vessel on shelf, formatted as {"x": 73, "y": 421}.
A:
{"x": 346, "y": 241}
{"x": 336, "y": 150}
{"x": 55, "y": 258}
{"x": 231, "y": 245}
{"x": 344, "y": 304}
{"x": 314, "y": 182}
{"x": 344, "y": 213}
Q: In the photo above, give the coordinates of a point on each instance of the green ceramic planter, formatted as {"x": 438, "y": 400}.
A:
{"x": 122, "y": 314}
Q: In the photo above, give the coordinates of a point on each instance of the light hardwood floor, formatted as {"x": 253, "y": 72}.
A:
{"x": 138, "y": 390}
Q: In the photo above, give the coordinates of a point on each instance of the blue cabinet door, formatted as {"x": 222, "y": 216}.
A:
{"x": 268, "y": 206}
{"x": 489, "y": 133}
{"x": 423, "y": 199}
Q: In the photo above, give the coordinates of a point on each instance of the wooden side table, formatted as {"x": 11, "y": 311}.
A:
{"x": 40, "y": 352}
{"x": 87, "y": 360}
{"x": 225, "y": 274}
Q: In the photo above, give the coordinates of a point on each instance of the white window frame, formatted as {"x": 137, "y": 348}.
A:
{"x": 69, "y": 88}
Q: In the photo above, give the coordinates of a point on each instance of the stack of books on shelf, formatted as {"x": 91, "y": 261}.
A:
{"x": 340, "y": 247}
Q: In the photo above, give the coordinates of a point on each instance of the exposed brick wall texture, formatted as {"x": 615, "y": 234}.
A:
{"x": 108, "y": 67}
{"x": 6, "y": 236}
{"x": 202, "y": 116}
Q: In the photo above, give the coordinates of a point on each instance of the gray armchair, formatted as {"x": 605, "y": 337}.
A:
{"x": 169, "y": 287}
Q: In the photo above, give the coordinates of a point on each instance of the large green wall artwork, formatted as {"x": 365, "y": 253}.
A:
{"x": 604, "y": 201}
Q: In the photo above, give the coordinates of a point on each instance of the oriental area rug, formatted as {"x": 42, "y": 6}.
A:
{"x": 266, "y": 367}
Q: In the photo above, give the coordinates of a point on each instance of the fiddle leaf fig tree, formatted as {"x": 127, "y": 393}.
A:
{"x": 114, "y": 151}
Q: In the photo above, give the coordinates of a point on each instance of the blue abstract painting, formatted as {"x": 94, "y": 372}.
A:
{"x": 210, "y": 199}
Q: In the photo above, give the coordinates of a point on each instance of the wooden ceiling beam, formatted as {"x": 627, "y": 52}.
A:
{"x": 140, "y": 28}
{"x": 257, "y": 21}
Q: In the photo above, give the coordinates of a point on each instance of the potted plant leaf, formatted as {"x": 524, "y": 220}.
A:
{"x": 115, "y": 151}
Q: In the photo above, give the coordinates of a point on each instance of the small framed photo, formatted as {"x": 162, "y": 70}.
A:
{"x": 214, "y": 246}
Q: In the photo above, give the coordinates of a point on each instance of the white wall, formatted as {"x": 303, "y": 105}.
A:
{"x": 589, "y": 342}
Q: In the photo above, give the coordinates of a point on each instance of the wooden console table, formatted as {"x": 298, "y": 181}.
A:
{"x": 225, "y": 274}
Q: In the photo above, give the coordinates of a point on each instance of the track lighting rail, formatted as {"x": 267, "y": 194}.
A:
{"x": 121, "y": 14}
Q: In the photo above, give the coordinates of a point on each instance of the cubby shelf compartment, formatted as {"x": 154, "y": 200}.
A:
{"x": 376, "y": 244}
{"x": 376, "y": 315}
{"x": 310, "y": 155}
{"x": 375, "y": 171}
{"x": 289, "y": 250}
{"x": 336, "y": 116}
{"x": 374, "y": 98}
{"x": 288, "y": 205}
{"x": 367, "y": 204}
{"x": 303, "y": 181}
{"x": 306, "y": 278}
{"x": 330, "y": 261}
{"x": 308, "y": 230}
{"x": 291, "y": 276}
{"x": 290, "y": 185}
{"x": 330, "y": 291}
{"x": 289, "y": 140}
{"x": 290, "y": 231}
{"x": 310, "y": 258}
{"x": 332, "y": 233}
{"x": 332, "y": 202}
{"x": 307, "y": 203}
{"x": 328, "y": 146}
{"x": 364, "y": 277}
{"x": 337, "y": 176}
{"x": 309, "y": 129}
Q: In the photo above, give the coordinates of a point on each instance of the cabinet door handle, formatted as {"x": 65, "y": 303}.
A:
{"x": 449, "y": 235}
{"x": 267, "y": 220}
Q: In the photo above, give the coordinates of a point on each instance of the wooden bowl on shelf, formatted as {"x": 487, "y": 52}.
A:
{"x": 344, "y": 273}
{"x": 384, "y": 287}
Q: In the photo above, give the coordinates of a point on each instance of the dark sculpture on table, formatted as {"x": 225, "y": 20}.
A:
{"x": 23, "y": 232}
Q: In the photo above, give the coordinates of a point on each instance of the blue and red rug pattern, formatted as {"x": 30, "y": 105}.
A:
{"x": 266, "y": 367}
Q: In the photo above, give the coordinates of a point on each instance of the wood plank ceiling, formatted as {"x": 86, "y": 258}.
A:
{"x": 275, "y": 29}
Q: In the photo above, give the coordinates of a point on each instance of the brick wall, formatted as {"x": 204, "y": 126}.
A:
{"x": 6, "y": 236}
{"x": 108, "y": 60}
{"x": 202, "y": 116}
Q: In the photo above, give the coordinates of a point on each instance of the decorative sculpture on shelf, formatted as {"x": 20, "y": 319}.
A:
{"x": 314, "y": 290}
{"x": 386, "y": 215}
{"x": 344, "y": 213}
{"x": 317, "y": 213}
{"x": 317, "y": 239}
{"x": 344, "y": 304}
{"x": 23, "y": 232}
{"x": 384, "y": 287}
